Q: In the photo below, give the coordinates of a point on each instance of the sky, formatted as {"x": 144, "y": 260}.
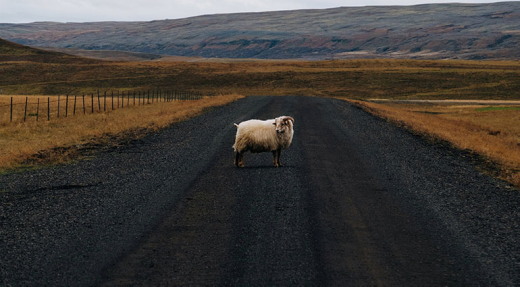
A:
{"x": 26, "y": 11}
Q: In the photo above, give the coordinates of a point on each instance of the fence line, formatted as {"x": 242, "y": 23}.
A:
{"x": 98, "y": 103}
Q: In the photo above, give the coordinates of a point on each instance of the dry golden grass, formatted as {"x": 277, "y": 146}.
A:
{"x": 19, "y": 106}
{"x": 490, "y": 132}
{"x": 354, "y": 79}
{"x": 39, "y": 107}
{"x": 20, "y": 142}
{"x": 377, "y": 78}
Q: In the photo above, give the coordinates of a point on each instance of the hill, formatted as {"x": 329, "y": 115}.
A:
{"x": 10, "y": 51}
{"x": 435, "y": 31}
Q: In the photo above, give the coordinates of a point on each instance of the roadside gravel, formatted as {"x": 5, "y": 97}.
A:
{"x": 62, "y": 225}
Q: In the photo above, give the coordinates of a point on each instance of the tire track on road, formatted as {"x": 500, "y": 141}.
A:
{"x": 246, "y": 226}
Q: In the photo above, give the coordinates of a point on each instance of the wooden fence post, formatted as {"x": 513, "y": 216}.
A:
{"x": 75, "y": 100}
{"x": 113, "y": 99}
{"x": 11, "y": 111}
{"x": 92, "y": 102}
{"x": 38, "y": 110}
{"x": 66, "y": 105}
{"x": 48, "y": 108}
{"x": 98, "y": 102}
{"x": 25, "y": 110}
{"x": 58, "y": 107}
{"x": 84, "y": 109}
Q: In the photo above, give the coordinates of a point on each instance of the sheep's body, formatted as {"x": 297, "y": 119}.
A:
{"x": 258, "y": 136}
{"x": 263, "y": 136}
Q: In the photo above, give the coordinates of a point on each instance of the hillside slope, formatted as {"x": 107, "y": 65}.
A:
{"x": 437, "y": 31}
{"x": 27, "y": 70}
{"x": 10, "y": 51}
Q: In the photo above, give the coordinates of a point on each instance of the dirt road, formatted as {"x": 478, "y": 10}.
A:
{"x": 357, "y": 202}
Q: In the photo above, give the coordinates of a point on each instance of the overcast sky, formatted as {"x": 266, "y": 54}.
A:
{"x": 25, "y": 11}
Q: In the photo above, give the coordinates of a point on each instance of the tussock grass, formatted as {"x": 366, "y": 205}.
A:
{"x": 490, "y": 132}
{"x": 58, "y": 140}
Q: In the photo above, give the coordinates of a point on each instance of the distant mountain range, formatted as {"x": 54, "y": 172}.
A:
{"x": 435, "y": 31}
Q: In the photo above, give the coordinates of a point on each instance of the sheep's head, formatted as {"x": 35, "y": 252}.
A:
{"x": 283, "y": 124}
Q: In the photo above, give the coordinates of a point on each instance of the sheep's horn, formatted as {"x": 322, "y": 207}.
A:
{"x": 289, "y": 118}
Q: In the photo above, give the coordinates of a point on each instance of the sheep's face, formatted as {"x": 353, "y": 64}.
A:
{"x": 283, "y": 124}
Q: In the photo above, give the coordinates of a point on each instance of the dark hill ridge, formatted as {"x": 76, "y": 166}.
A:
{"x": 10, "y": 51}
{"x": 436, "y": 31}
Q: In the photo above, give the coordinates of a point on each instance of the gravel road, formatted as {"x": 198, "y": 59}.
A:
{"x": 357, "y": 202}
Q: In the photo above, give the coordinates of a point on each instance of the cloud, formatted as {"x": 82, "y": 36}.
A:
{"x": 20, "y": 11}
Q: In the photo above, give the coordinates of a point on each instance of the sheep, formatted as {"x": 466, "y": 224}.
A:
{"x": 263, "y": 136}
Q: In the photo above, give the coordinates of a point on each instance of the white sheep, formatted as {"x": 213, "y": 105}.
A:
{"x": 263, "y": 136}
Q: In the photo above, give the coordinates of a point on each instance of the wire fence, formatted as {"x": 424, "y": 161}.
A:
{"x": 16, "y": 109}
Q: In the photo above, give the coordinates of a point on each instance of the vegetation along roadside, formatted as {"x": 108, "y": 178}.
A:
{"x": 486, "y": 130}
{"x": 60, "y": 140}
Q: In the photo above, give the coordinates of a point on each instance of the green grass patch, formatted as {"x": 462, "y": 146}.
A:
{"x": 487, "y": 109}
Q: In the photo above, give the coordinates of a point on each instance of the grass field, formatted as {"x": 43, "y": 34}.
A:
{"x": 63, "y": 139}
{"x": 17, "y": 109}
{"x": 394, "y": 79}
{"x": 490, "y": 131}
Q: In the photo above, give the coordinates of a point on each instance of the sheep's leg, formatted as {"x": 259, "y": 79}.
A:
{"x": 276, "y": 157}
{"x": 239, "y": 156}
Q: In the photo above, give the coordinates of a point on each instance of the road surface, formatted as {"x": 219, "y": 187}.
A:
{"x": 358, "y": 202}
